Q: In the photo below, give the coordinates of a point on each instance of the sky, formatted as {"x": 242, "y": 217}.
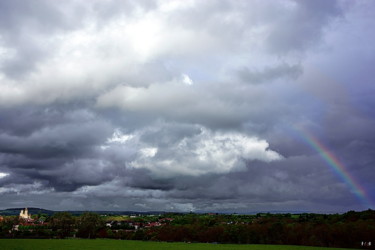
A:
{"x": 213, "y": 105}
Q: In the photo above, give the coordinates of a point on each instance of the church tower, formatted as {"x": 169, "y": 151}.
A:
{"x": 24, "y": 214}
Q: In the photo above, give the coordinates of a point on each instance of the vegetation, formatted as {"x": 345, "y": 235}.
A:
{"x": 62, "y": 224}
{"x": 88, "y": 225}
{"x": 136, "y": 245}
{"x": 350, "y": 230}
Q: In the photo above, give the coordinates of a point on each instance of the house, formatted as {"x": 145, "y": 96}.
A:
{"x": 15, "y": 227}
{"x": 153, "y": 224}
{"x": 165, "y": 220}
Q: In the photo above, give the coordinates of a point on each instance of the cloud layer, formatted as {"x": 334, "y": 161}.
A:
{"x": 185, "y": 106}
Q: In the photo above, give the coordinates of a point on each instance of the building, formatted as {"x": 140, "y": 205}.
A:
{"x": 24, "y": 214}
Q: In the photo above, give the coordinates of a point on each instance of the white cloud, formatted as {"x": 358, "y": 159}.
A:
{"x": 119, "y": 137}
{"x": 207, "y": 152}
{"x": 2, "y": 175}
{"x": 198, "y": 152}
{"x": 149, "y": 152}
{"x": 187, "y": 80}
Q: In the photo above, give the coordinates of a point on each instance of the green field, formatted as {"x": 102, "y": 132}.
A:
{"x": 18, "y": 244}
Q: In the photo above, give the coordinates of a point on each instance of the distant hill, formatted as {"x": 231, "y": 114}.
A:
{"x": 104, "y": 212}
{"x": 32, "y": 210}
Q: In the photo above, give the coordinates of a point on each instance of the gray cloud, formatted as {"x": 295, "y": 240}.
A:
{"x": 270, "y": 74}
{"x": 26, "y": 28}
{"x": 303, "y": 27}
{"x": 184, "y": 105}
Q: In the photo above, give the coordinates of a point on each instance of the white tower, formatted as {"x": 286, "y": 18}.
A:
{"x": 24, "y": 214}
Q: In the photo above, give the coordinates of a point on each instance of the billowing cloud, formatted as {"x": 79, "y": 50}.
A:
{"x": 203, "y": 153}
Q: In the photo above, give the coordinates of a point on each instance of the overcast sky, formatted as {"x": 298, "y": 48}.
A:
{"x": 187, "y": 105}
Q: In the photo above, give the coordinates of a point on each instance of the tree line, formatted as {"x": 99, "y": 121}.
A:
{"x": 350, "y": 229}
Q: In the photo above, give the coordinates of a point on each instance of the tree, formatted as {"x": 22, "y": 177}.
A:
{"x": 62, "y": 223}
{"x": 89, "y": 224}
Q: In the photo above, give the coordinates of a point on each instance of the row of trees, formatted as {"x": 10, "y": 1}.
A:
{"x": 345, "y": 230}
{"x": 349, "y": 234}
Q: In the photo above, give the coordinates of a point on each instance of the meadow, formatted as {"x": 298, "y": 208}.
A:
{"x": 26, "y": 244}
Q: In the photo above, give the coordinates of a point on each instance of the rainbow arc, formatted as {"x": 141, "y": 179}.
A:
{"x": 338, "y": 167}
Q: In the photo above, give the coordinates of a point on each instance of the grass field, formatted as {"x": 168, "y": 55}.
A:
{"x": 20, "y": 244}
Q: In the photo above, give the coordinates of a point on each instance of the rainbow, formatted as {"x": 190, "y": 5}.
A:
{"x": 338, "y": 167}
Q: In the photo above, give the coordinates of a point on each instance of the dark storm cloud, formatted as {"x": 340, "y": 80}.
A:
{"x": 183, "y": 106}
{"x": 141, "y": 179}
{"x": 54, "y": 148}
{"x": 72, "y": 135}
